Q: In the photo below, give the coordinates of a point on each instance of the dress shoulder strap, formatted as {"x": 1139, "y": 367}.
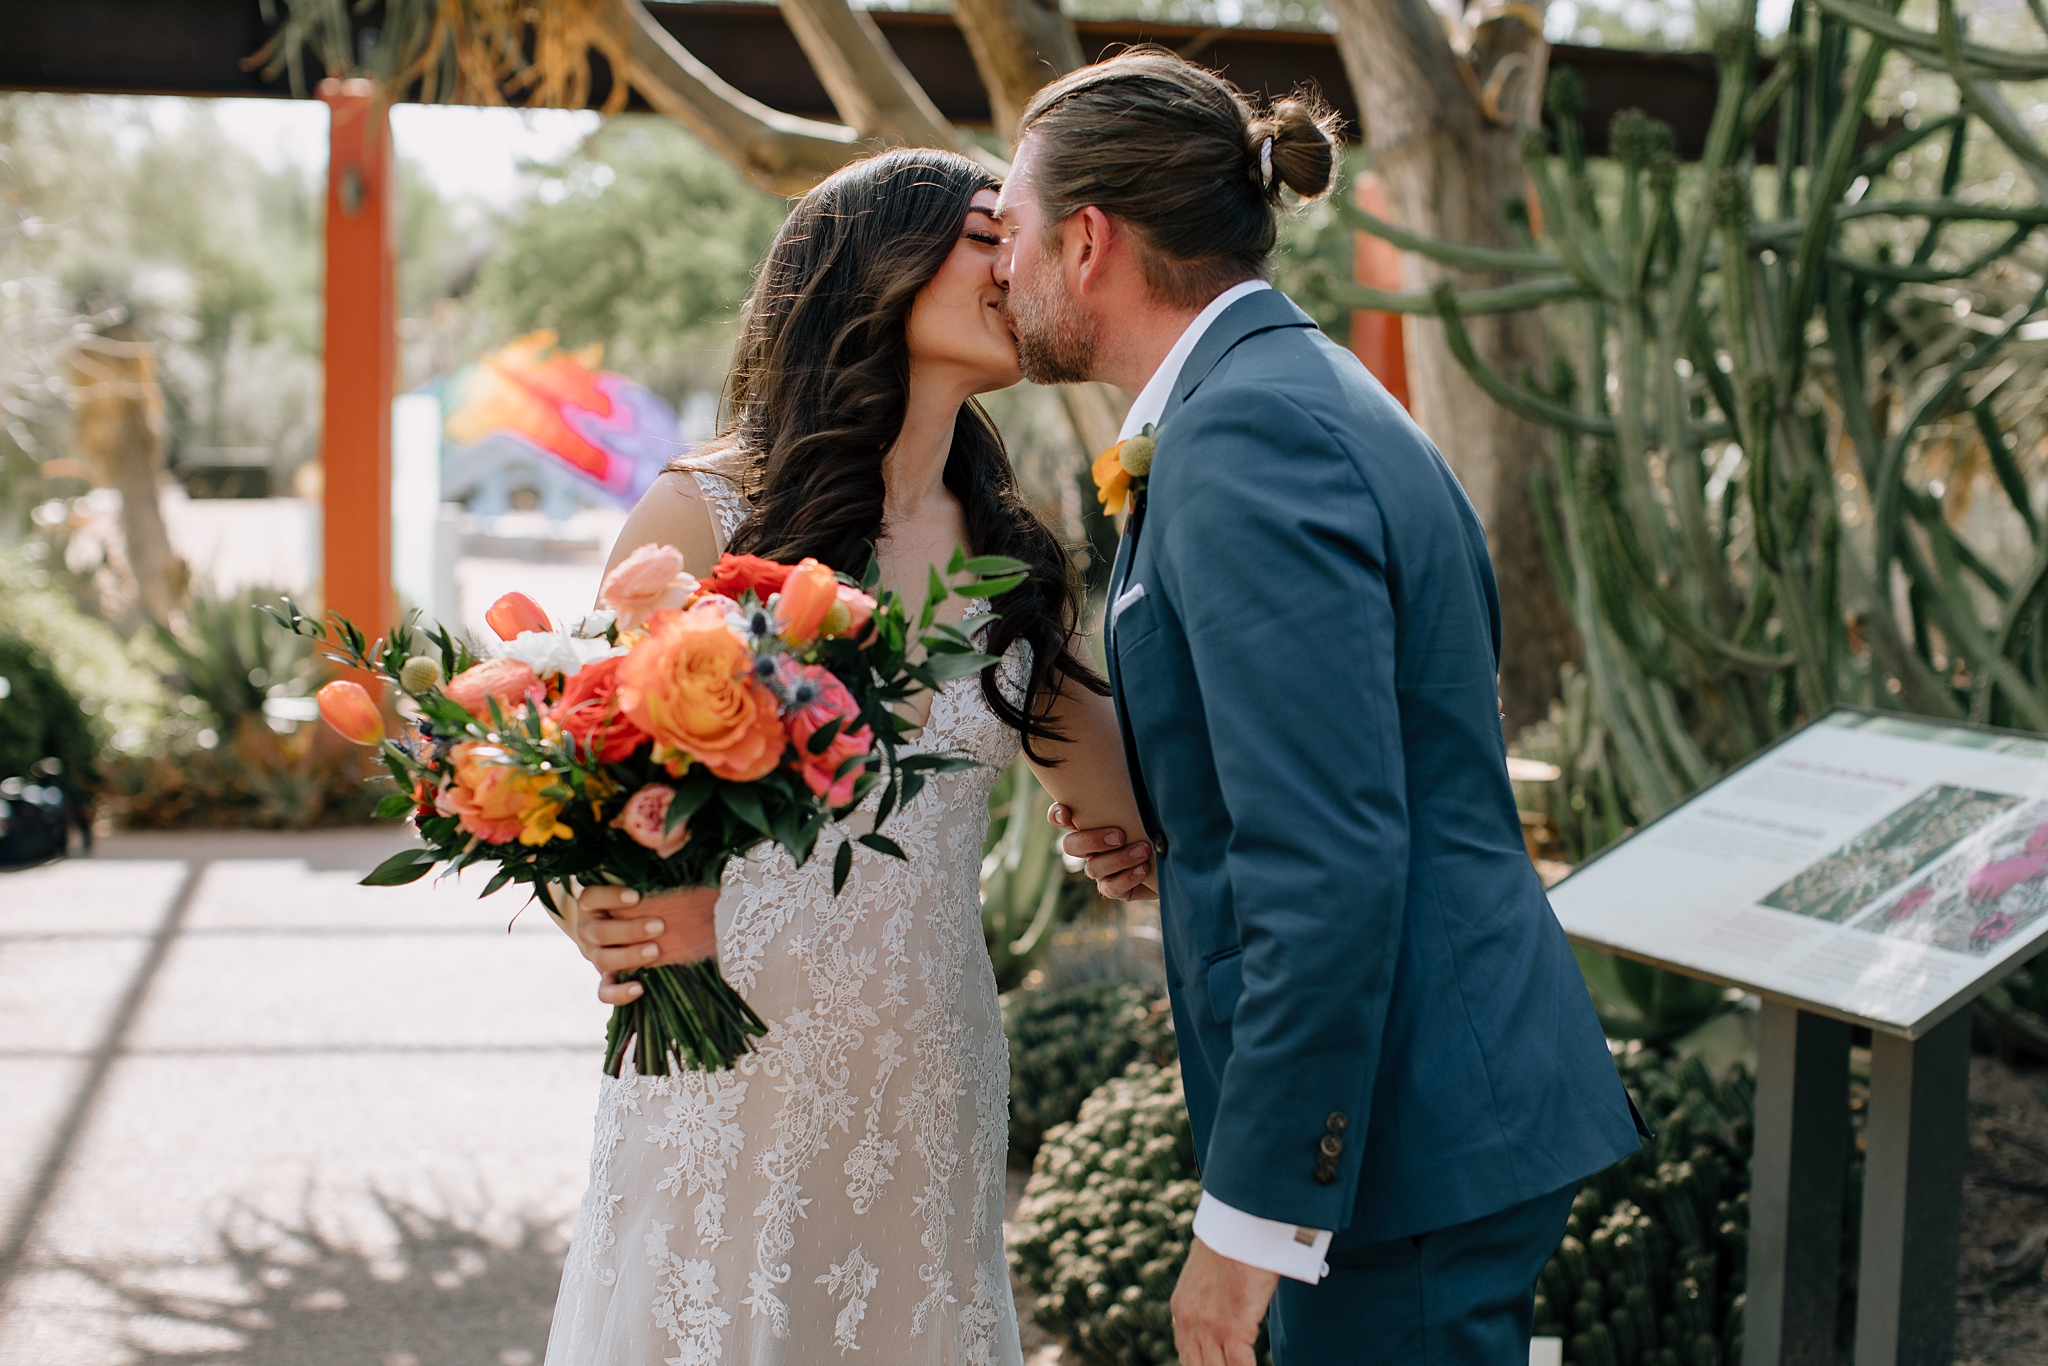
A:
{"x": 728, "y": 505}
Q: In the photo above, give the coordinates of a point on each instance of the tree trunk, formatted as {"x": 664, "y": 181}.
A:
{"x": 118, "y": 415}
{"x": 1449, "y": 170}
{"x": 1018, "y": 46}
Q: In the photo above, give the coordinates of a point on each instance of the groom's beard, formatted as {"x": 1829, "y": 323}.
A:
{"x": 1055, "y": 343}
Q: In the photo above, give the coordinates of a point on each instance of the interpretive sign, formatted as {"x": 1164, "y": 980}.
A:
{"x": 1874, "y": 867}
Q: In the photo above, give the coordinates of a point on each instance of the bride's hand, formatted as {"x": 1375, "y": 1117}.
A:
{"x": 619, "y": 930}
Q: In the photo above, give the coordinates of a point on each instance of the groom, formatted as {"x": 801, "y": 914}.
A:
{"x": 1395, "y": 1077}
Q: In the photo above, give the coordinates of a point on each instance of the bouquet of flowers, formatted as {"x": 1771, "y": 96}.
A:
{"x": 650, "y": 743}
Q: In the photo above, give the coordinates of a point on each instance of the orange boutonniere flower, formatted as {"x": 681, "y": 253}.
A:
{"x": 1123, "y": 469}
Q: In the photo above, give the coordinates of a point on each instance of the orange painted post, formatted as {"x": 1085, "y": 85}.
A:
{"x": 360, "y": 349}
{"x": 1379, "y": 339}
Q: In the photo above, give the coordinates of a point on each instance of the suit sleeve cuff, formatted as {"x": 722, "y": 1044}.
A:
{"x": 1269, "y": 1244}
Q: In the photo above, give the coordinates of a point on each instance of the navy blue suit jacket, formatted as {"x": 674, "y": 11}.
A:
{"x": 1357, "y": 946}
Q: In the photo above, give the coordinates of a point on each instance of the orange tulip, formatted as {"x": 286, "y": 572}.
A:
{"x": 515, "y": 612}
{"x": 347, "y": 707}
{"x": 807, "y": 595}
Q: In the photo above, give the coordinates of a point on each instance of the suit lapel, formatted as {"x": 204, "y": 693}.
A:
{"x": 1249, "y": 316}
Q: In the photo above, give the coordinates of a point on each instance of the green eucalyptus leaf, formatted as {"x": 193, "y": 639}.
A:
{"x": 408, "y": 865}
{"x": 882, "y": 844}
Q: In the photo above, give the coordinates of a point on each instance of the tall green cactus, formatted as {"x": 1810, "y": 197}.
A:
{"x": 1752, "y": 366}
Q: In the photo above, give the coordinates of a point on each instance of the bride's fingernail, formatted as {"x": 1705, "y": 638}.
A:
{"x": 629, "y": 897}
{"x": 649, "y": 950}
{"x": 654, "y": 927}
{"x": 634, "y": 990}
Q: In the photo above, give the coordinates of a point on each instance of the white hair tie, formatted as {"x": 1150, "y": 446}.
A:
{"x": 1266, "y": 164}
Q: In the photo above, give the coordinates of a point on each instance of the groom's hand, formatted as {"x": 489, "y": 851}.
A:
{"x": 1217, "y": 1308}
{"x": 1122, "y": 872}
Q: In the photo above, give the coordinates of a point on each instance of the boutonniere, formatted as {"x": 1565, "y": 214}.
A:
{"x": 1122, "y": 469}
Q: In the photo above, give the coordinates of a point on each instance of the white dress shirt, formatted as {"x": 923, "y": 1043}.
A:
{"x": 1151, "y": 400}
{"x": 1269, "y": 1244}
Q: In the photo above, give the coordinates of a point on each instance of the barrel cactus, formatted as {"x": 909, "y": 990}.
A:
{"x": 1064, "y": 1044}
{"x": 1108, "y": 1217}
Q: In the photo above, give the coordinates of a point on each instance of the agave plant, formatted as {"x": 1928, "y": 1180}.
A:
{"x": 232, "y": 658}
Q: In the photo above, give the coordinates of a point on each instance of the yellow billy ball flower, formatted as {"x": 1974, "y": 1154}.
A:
{"x": 1135, "y": 455}
{"x": 419, "y": 674}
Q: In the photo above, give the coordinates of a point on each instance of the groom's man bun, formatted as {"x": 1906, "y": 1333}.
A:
{"x": 1181, "y": 156}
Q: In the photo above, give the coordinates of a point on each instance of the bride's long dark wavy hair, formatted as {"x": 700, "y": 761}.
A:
{"x": 819, "y": 387}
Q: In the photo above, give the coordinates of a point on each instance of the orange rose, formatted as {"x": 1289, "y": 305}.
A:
{"x": 808, "y": 594}
{"x": 736, "y": 574}
{"x": 691, "y": 686}
{"x": 497, "y": 801}
{"x": 508, "y": 680}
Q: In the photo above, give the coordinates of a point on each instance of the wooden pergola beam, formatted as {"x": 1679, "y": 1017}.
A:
{"x": 196, "y": 47}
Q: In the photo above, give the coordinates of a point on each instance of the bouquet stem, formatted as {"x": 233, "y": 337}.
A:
{"x": 687, "y": 1014}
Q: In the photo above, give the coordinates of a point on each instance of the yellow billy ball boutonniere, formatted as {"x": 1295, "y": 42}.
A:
{"x": 1123, "y": 468}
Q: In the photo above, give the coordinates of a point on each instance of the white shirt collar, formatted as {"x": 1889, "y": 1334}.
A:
{"x": 1151, "y": 400}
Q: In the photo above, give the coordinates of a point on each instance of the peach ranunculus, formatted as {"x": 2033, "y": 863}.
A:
{"x": 691, "y": 686}
{"x": 807, "y": 595}
{"x": 511, "y": 681}
{"x": 644, "y": 818}
{"x": 514, "y": 613}
{"x": 589, "y": 710}
{"x": 497, "y": 801}
{"x": 649, "y": 580}
{"x": 817, "y": 697}
{"x": 346, "y": 706}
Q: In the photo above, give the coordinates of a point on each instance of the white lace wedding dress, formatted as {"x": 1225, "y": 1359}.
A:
{"x": 841, "y": 1190}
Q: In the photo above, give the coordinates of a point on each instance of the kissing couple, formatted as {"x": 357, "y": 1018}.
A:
{"x": 1394, "y": 1074}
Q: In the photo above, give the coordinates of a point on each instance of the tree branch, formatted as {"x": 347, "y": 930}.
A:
{"x": 779, "y": 152}
{"x": 868, "y": 84}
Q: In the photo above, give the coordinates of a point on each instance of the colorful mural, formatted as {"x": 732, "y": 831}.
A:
{"x": 600, "y": 426}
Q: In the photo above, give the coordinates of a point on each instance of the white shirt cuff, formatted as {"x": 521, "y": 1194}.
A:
{"x": 1269, "y": 1244}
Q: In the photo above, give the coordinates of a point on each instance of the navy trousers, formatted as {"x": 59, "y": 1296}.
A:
{"x": 1457, "y": 1296}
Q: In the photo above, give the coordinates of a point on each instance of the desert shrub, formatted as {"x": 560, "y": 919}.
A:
{"x": 253, "y": 778}
{"x": 1064, "y": 1044}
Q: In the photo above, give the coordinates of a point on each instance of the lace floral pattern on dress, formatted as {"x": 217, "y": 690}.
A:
{"x": 842, "y": 1188}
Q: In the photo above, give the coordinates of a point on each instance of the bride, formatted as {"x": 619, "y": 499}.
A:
{"x": 842, "y": 1188}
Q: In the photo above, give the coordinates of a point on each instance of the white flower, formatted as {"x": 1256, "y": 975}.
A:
{"x": 592, "y": 625}
{"x": 549, "y": 653}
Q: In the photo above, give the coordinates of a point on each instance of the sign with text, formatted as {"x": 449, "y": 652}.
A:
{"x": 1875, "y": 867}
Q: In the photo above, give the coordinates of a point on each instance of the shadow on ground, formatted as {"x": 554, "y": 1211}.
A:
{"x": 435, "y": 1292}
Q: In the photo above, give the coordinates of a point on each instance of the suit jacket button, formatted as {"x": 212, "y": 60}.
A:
{"x": 1326, "y": 1175}
{"x": 1331, "y": 1146}
{"x": 1336, "y": 1123}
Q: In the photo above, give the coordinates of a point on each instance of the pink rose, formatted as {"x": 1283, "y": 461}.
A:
{"x": 645, "y": 582}
{"x": 644, "y": 818}
{"x": 817, "y": 697}
{"x": 509, "y": 680}
{"x": 2037, "y": 843}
